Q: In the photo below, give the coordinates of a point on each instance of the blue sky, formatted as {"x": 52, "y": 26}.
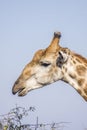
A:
{"x": 26, "y": 26}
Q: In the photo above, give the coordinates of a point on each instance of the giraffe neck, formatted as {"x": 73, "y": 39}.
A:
{"x": 75, "y": 72}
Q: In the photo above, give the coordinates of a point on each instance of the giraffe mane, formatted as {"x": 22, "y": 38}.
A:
{"x": 81, "y": 58}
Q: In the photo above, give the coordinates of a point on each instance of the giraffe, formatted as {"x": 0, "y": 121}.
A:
{"x": 50, "y": 65}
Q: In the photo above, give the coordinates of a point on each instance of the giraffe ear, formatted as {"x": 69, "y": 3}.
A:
{"x": 62, "y": 58}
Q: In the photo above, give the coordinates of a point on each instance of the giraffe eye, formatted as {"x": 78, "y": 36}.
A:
{"x": 45, "y": 64}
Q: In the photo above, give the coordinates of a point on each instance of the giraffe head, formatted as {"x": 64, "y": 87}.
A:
{"x": 42, "y": 70}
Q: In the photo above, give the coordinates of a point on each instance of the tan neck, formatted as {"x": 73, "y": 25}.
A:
{"x": 75, "y": 73}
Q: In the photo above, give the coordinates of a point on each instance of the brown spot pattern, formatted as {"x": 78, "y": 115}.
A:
{"x": 80, "y": 82}
{"x": 74, "y": 62}
{"x": 79, "y": 91}
{"x": 80, "y": 58}
{"x": 73, "y": 76}
{"x": 85, "y": 97}
{"x": 85, "y": 89}
{"x": 80, "y": 69}
{"x": 64, "y": 69}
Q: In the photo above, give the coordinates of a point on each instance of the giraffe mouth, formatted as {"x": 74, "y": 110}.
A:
{"x": 22, "y": 92}
{"x": 19, "y": 91}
